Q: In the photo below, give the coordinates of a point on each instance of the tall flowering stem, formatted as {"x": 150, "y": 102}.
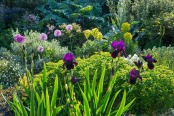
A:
{"x": 119, "y": 48}
{"x": 70, "y": 80}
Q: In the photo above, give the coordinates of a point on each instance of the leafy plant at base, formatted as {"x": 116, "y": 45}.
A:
{"x": 40, "y": 103}
{"x": 96, "y": 102}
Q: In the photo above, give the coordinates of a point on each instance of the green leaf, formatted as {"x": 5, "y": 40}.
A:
{"x": 53, "y": 102}
{"x": 32, "y": 102}
{"x": 108, "y": 110}
{"x": 108, "y": 93}
{"x": 128, "y": 105}
{"x": 47, "y": 103}
{"x": 44, "y": 78}
{"x": 86, "y": 104}
{"x": 121, "y": 108}
{"x": 100, "y": 88}
{"x": 85, "y": 9}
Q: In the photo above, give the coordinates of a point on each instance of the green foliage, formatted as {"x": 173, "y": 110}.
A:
{"x": 5, "y": 38}
{"x": 155, "y": 17}
{"x": 97, "y": 103}
{"x": 40, "y": 101}
{"x": 87, "y": 13}
{"x": 10, "y": 68}
{"x": 157, "y": 85}
{"x": 73, "y": 39}
{"x": 146, "y": 9}
{"x": 163, "y": 55}
{"x": 90, "y": 47}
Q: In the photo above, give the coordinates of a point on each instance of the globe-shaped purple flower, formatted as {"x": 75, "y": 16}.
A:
{"x": 43, "y": 36}
{"x": 69, "y": 61}
{"x": 40, "y": 49}
{"x": 119, "y": 47}
{"x": 19, "y": 38}
{"x": 134, "y": 75}
{"x": 148, "y": 58}
{"x": 69, "y": 27}
{"x": 57, "y": 33}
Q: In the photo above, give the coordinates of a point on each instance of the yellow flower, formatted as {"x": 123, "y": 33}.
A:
{"x": 87, "y": 33}
{"x": 94, "y": 32}
{"x": 127, "y": 36}
{"x": 125, "y": 27}
{"x": 99, "y": 36}
{"x": 23, "y": 81}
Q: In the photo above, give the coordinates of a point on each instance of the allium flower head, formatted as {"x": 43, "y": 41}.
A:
{"x": 149, "y": 61}
{"x": 69, "y": 61}
{"x": 43, "y": 36}
{"x": 134, "y": 75}
{"x": 19, "y": 38}
{"x": 118, "y": 46}
{"x": 57, "y": 33}
{"x": 40, "y": 49}
{"x": 127, "y": 36}
{"x": 69, "y": 27}
{"x": 125, "y": 27}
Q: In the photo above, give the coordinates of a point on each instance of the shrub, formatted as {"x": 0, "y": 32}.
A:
{"x": 86, "y": 13}
{"x": 5, "y": 38}
{"x": 156, "y": 84}
{"x": 10, "y": 68}
{"x": 37, "y": 50}
{"x": 74, "y": 38}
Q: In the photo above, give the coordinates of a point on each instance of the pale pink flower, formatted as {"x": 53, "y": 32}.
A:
{"x": 69, "y": 27}
{"x": 40, "y": 49}
{"x": 43, "y": 36}
{"x": 57, "y": 33}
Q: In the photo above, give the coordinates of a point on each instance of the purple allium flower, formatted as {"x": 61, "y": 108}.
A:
{"x": 19, "y": 38}
{"x": 149, "y": 61}
{"x": 134, "y": 75}
{"x": 119, "y": 47}
{"x": 43, "y": 36}
{"x": 69, "y": 61}
{"x": 40, "y": 49}
{"x": 69, "y": 27}
{"x": 139, "y": 63}
{"x": 74, "y": 80}
{"x": 57, "y": 33}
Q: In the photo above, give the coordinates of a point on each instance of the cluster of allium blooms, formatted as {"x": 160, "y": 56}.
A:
{"x": 119, "y": 47}
{"x": 19, "y": 38}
